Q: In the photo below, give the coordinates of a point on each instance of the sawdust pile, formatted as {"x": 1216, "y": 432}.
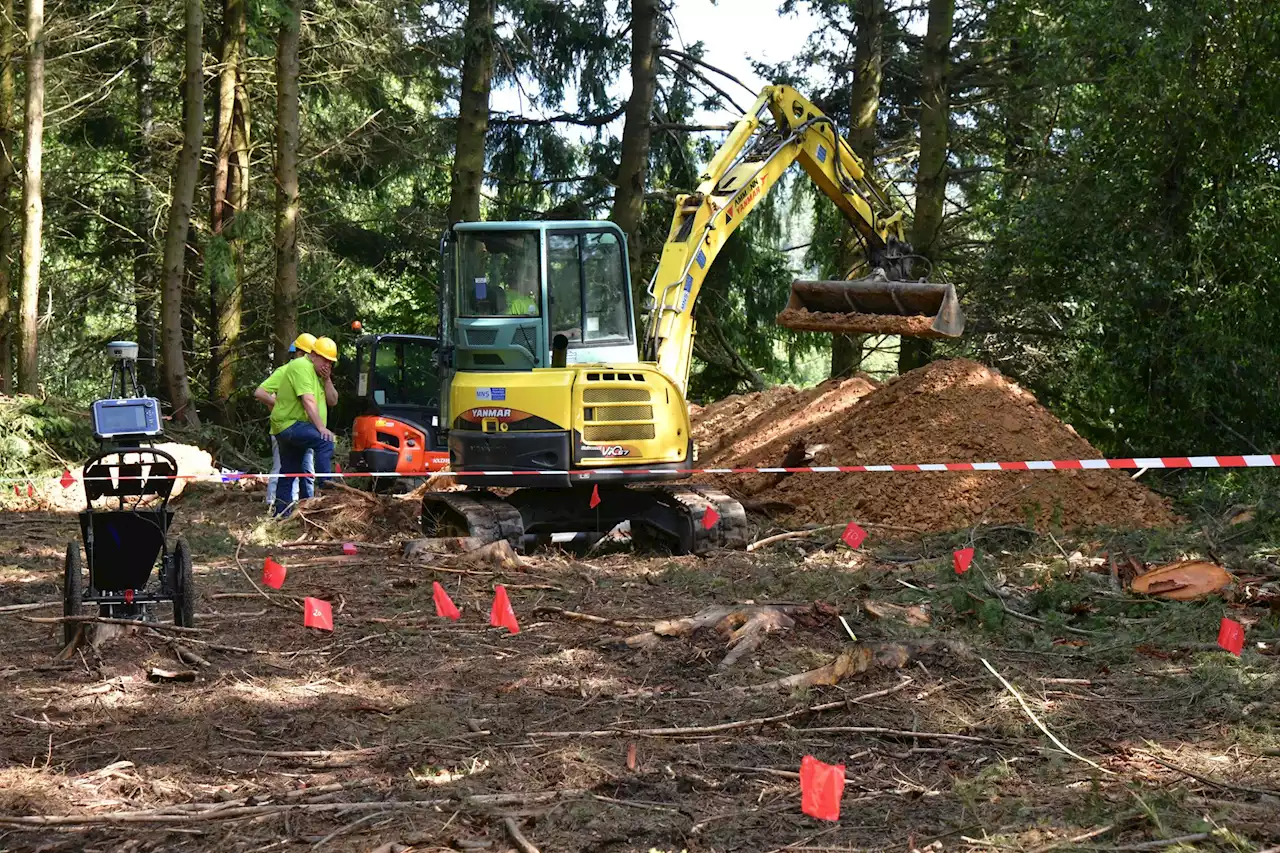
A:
{"x": 948, "y": 411}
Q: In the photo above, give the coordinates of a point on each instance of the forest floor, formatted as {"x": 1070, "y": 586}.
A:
{"x": 403, "y": 731}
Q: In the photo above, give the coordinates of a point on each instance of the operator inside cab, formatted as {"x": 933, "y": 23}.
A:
{"x": 499, "y": 275}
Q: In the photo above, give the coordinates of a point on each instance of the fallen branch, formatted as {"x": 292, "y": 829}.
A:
{"x": 902, "y": 733}
{"x": 728, "y": 727}
{"x": 587, "y": 617}
{"x": 39, "y": 605}
{"x": 1027, "y": 709}
{"x": 295, "y": 605}
{"x": 106, "y": 620}
{"x": 310, "y": 754}
{"x": 793, "y": 534}
{"x": 517, "y": 837}
{"x": 1213, "y": 782}
{"x": 184, "y": 654}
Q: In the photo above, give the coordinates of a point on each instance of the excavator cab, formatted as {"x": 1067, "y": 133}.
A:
{"x": 397, "y": 429}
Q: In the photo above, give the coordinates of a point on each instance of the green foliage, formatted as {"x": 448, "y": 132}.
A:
{"x": 1143, "y": 241}
{"x": 37, "y": 436}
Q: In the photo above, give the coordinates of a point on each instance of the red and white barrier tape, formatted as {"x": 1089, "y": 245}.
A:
{"x": 1137, "y": 462}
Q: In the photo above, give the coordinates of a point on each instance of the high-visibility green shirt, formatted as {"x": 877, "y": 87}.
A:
{"x": 289, "y": 382}
{"x": 521, "y": 305}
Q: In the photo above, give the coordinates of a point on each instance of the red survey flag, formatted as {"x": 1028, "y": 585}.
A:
{"x": 273, "y": 574}
{"x": 595, "y": 497}
{"x": 501, "y": 615}
{"x": 821, "y": 786}
{"x": 67, "y": 480}
{"x": 962, "y": 559}
{"x": 1231, "y": 636}
{"x": 853, "y": 535}
{"x": 319, "y": 614}
{"x": 31, "y": 490}
{"x": 348, "y": 548}
{"x": 444, "y": 604}
{"x": 17, "y": 491}
{"x": 709, "y": 518}
{"x": 337, "y": 468}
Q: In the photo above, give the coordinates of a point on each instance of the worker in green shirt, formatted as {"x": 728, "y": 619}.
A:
{"x": 302, "y": 392}
{"x": 299, "y": 348}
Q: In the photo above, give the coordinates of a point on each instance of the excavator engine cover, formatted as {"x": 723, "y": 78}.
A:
{"x": 876, "y": 305}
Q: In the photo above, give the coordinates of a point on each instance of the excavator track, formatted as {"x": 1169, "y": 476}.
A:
{"x": 477, "y": 514}
{"x": 728, "y": 533}
{"x": 663, "y": 518}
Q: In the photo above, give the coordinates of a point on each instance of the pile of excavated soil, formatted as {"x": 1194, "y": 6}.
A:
{"x": 948, "y": 411}
{"x": 873, "y": 324}
{"x": 732, "y": 429}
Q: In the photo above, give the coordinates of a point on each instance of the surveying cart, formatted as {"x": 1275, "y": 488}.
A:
{"x": 126, "y": 521}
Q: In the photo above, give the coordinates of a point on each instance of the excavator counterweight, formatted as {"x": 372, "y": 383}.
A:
{"x": 876, "y": 306}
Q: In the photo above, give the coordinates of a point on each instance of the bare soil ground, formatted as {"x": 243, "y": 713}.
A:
{"x": 403, "y": 731}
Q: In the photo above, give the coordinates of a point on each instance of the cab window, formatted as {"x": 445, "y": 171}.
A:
{"x": 404, "y": 374}
{"x": 586, "y": 283}
{"x": 499, "y": 273}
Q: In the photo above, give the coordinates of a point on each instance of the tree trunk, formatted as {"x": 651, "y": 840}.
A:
{"x": 931, "y": 170}
{"x": 628, "y": 202}
{"x": 473, "y": 113}
{"x": 32, "y": 201}
{"x": 228, "y": 191}
{"x": 864, "y": 104}
{"x": 8, "y": 43}
{"x": 185, "y": 175}
{"x": 145, "y": 289}
{"x": 287, "y": 206}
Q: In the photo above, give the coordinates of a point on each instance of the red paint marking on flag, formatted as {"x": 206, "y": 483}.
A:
{"x": 853, "y": 535}
{"x": 273, "y": 574}
{"x": 318, "y": 614}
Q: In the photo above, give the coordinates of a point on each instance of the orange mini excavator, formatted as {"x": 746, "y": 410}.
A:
{"x": 398, "y": 389}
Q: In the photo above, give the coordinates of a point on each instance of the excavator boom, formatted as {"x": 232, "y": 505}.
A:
{"x": 781, "y": 128}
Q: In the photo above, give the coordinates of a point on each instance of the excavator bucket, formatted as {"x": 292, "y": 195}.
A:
{"x": 874, "y": 306}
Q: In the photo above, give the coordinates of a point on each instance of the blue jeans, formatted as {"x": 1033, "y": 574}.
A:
{"x": 308, "y": 465}
{"x": 294, "y": 443}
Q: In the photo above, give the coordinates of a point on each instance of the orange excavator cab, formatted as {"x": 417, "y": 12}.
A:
{"x": 398, "y": 426}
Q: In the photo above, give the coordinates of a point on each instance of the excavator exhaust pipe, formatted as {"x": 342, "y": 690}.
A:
{"x": 874, "y": 306}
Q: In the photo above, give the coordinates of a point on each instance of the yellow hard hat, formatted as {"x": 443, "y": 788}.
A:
{"x": 305, "y": 341}
{"x": 326, "y": 348}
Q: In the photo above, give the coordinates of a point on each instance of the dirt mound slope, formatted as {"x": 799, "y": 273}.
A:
{"x": 948, "y": 411}
{"x": 736, "y": 427}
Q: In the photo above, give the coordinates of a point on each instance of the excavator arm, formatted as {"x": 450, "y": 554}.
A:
{"x": 779, "y": 129}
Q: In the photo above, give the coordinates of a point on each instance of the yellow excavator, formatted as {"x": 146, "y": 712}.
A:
{"x": 549, "y": 392}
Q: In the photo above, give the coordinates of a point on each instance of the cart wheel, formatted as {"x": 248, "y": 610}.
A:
{"x": 72, "y": 590}
{"x": 184, "y": 588}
